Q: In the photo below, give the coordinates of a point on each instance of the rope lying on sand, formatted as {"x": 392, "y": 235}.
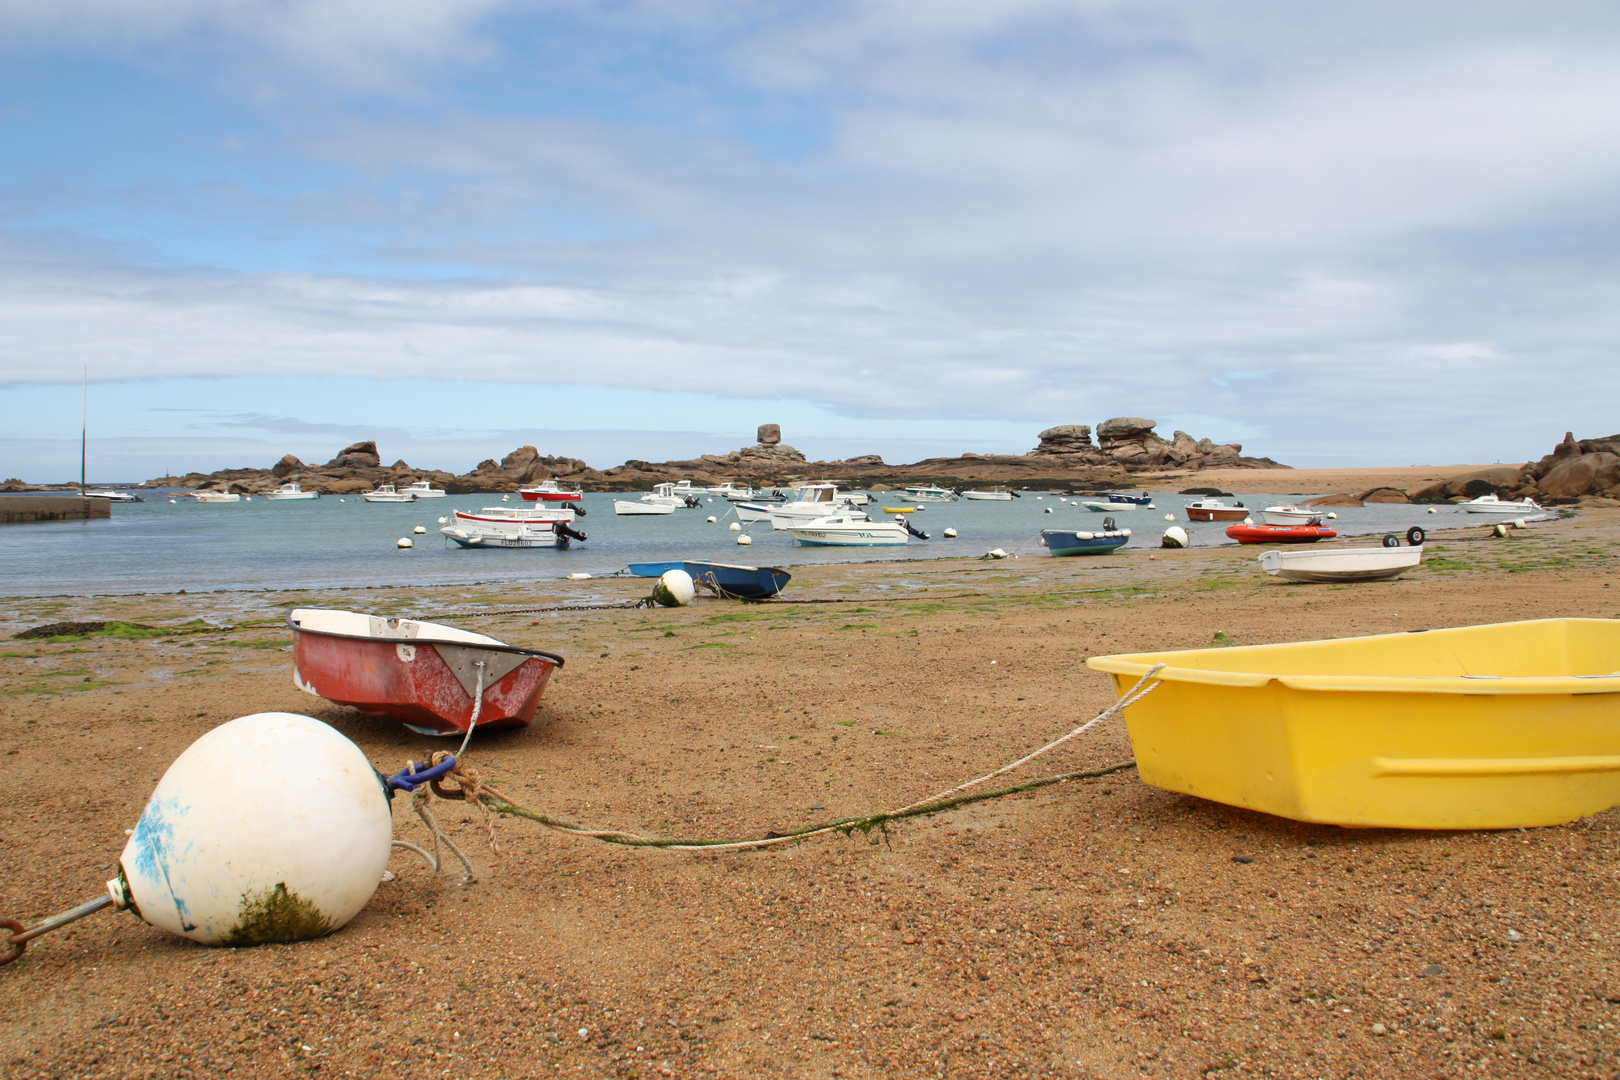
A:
{"x": 496, "y": 802}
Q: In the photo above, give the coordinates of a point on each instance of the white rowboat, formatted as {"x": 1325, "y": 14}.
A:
{"x": 1341, "y": 564}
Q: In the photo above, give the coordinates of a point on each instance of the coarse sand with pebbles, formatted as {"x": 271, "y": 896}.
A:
{"x": 1093, "y": 929}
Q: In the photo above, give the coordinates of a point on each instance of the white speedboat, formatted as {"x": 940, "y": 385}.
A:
{"x": 546, "y": 534}
{"x": 385, "y": 493}
{"x": 1097, "y": 506}
{"x": 993, "y": 495}
{"x": 424, "y": 489}
{"x": 730, "y": 490}
{"x": 113, "y": 496}
{"x": 290, "y": 490}
{"x": 626, "y": 508}
{"x": 1341, "y": 564}
{"x": 1291, "y": 515}
{"x": 811, "y": 502}
{"x": 921, "y": 493}
{"x": 512, "y": 518}
{"x": 671, "y": 495}
{"x": 1490, "y": 504}
{"x": 849, "y": 529}
{"x": 216, "y": 496}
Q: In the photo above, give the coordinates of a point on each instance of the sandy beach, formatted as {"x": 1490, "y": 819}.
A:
{"x": 1099, "y": 929}
{"x": 1321, "y": 481}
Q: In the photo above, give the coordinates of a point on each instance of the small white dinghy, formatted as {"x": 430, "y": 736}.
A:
{"x": 1490, "y": 504}
{"x": 1336, "y": 565}
{"x": 1292, "y": 515}
{"x": 626, "y": 508}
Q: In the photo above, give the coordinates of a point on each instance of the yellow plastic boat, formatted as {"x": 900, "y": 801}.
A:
{"x": 1482, "y": 727}
{"x": 899, "y": 509}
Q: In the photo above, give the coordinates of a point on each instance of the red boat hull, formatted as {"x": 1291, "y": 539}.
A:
{"x": 412, "y": 682}
{"x": 550, "y": 496}
{"x": 1236, "y": 513}
{"x": 1278, "y": 534}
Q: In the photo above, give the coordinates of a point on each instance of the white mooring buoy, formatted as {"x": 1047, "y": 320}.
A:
{"x": 950, "y": 534}
{"x": 712, "y": 518}
{"x": 271, "y": 828}
{"x": 443, "y": 520}
{"x": 419, "y": 530}
{"x": 674, "y": 589}
{"x": 744, "y": 540}
{"x": 404, "y": 542}
{"x": 735, "y": 527}
{"x": 1174, "y": 537}
{"x": 1169, "y": 517}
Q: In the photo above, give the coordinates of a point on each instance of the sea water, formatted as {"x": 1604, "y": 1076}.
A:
{"x": 331, "y": 542}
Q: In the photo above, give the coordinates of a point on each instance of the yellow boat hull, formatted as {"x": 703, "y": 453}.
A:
{"x": 899, "y": 509}
{"x": 1486, "y": 727}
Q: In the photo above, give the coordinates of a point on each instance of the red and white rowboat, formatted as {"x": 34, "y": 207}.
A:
{"x": 550, "y": 491}
{"x": 427, "y": 676}
{"x": 1214, "y": 510}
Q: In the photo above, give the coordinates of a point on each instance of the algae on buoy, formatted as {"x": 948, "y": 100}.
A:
{"x": 1175, "y": 537}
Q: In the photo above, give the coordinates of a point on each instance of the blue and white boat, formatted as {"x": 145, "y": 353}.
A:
{"x": 723, "y": 579}
{"x": 1135, "y": 500}
{"x": 1081, "y": 542}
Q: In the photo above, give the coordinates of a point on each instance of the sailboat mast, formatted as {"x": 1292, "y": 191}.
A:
{"x": 84, "y": 426}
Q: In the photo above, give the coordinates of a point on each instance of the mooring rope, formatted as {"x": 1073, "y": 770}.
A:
{"x": 951, "y": 798}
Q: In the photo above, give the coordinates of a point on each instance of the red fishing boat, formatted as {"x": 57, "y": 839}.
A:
{"x": 1214, "y": 510}
{"x": 431, "y": 678}
{"x": 1278, "y": 534}
{"x": 550, "y": 491}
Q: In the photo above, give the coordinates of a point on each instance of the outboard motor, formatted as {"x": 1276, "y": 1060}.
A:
{"x": 572, "y": 534}
{"x": 1109, "y": 526}
{"x": 692, "y": 503}
{"x": 579, "y": 511}
{"x": 918, "y": 533}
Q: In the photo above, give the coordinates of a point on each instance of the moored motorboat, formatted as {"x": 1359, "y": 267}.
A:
{"x": 1490, "y": 504}
{"x": 723, "y": 579}
{"x": 424, "y": 489}
{"x": 926, "y": 493}
{"x": 538, "y": 534}
{"x": 626, "y": 508}
{"x": 1135, "y": 500}
{"x": 290, "y": 491}
{"x": 1291, "y": 515}
{"x": 810, "y": 502}
{"x": 1334, "y": 565}
{"x": 999, "y": 494}
{"x": 428, "y": 676}
{"x": 513, "y": 516}
{"x": 1278, "y": 534}
{"x": 216, "y": 496}
{"x": 386, "y": 493}
{"x": 1063, "y": 542}
{"x": 1212, "y": 509}
{"x": 1097, "y": 506}
{"x": 671, "y": 495}
{"x": 114, "y": 496}
{"x": 550, "y": 490}
{"x": 851, "y": 528}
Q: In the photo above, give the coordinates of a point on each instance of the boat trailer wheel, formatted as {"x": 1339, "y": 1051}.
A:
{"x": 1415, "y": 535}
{"x": 1391, "y": 540}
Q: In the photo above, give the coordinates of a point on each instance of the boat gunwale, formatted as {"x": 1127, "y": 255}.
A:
{"x": 559, "y": 661}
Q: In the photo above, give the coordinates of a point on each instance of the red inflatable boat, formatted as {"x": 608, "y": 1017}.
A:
{"x": 1279, "y": 534}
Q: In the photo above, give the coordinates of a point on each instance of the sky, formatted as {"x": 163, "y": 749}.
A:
{"x": 1365, "y": 234}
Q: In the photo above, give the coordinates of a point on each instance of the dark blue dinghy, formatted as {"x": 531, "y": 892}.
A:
{"x": 723, "y": 579}
{"x": 1072, "y": 542}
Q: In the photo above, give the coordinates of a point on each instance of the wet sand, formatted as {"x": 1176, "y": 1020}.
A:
{"x": 1094, "y": 929}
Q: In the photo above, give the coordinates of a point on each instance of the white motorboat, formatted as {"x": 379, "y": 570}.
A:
{"x": 811, "y": 502}
{"x": 216, "y": 496}
{"x": 113, "y": 496}
{"x": 546, "y": 534}
{"x": 730, "y": 490}
{"x": 1291, "y": 515}
{"x": 1097, "y": 506}
{"x": 512, "y": 518}
{"x": 626, "y": 508}
{"x": 993, "y": 495}
{"x": 671, "y": 495}
{"x": 424, "y": 489}
{"x": 849, "y": 529}
{"x": 1490, "y": 504}
{"x": 1341, "y": 564}
{"x": 385, "y": 493}
{"x": 289, "y": 491}
{"x": 921, "y": 493}
{"x": 1213, "y": 509}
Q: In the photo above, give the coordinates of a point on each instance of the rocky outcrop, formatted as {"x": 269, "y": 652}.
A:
{"x": 1577, "y": 471}
{"x": 1066, "y": 457}
{"x": 1130, "y": 443}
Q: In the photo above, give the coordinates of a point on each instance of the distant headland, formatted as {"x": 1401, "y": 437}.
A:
{"x": 1065, "y": 457}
